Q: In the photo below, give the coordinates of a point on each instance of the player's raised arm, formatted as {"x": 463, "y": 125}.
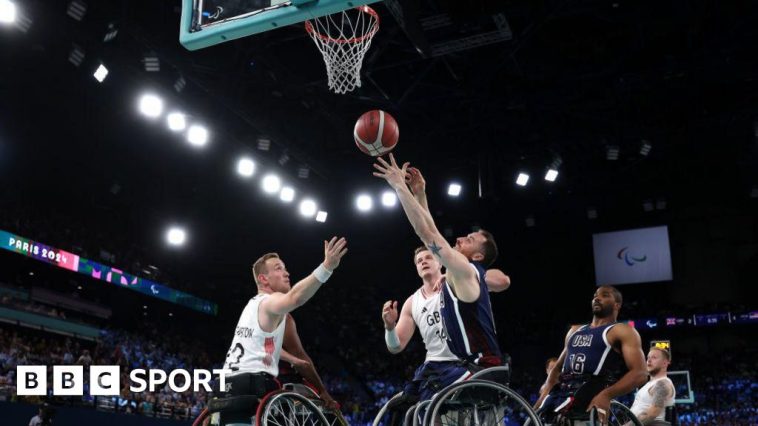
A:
{"x": 278, "y": 304}
{"x": 398, "y": 329}
{"x": 460, "y": 273}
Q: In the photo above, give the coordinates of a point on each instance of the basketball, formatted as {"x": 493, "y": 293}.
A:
{"x": 376, "y": 133}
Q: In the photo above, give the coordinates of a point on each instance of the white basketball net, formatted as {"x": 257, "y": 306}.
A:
{"x": 343, "y": 38}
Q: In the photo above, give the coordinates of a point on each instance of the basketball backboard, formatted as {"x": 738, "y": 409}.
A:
{"x": 206, "y": 23}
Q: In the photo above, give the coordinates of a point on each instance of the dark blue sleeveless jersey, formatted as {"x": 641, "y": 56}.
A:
{"x": 589, "y": 353}
{"x": 470, "y": 327}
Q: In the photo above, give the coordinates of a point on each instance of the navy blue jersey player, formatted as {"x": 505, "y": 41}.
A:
{"x": 465, "y": 310}
{"x": 600, "y": 361}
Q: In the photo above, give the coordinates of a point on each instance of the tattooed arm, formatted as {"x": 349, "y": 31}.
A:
{"x": 461, "y": 276}
{"x": 660, "y": 392}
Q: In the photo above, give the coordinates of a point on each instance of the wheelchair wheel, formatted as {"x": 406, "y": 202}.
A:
{"x": 289, "y": 409}
{"x": 383, "y": 410}
{"x": 620, "y": 415}
{"x": 418, "y": 412}
{"x": 479, "y": 403}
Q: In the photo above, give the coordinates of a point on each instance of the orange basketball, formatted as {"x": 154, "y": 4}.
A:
{"x": 376, "y": 133}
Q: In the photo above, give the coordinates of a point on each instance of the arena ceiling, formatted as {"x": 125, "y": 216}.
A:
{"x": 557, "y": 79}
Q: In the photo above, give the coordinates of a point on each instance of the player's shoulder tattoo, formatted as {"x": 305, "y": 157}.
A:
{"x": 660, "y": 391}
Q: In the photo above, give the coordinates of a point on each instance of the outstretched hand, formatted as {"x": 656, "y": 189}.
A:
{"x": 334, "y": 249}
{"x": 391, "y": 172}
{"x": 389, "y": 314}
{"x": 415, "y": 180}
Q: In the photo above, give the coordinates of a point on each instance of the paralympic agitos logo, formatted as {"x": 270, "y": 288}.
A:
{"x": 629, "y": 259}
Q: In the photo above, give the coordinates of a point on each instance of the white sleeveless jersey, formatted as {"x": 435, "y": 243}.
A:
{"x": 643, "y": 400}
{"x": 426, "y": 315}
{"x": 254, "y": 350}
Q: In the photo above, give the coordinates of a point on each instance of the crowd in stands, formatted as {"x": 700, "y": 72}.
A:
{"x": 349, "y": 352}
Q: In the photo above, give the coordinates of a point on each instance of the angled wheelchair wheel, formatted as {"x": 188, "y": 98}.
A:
{"x": 383, "y": 411}
{"x": 479, "y": 403}
{"x": 289, "y": 409}
{"x": 418, "y": 413}
{"x": 620, "y": 415}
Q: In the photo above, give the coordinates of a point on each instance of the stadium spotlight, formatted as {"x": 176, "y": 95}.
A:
{"x": 245, "y": 167}
{"x": 271, "y": 184}
{"x": 308, "y": 207}
{"x": 176, "y": 121}
{"x": 151, "y": 105}
{"x": 197, "y": 135}
{"x": 287, "y": 194}
{"x": 7, "y": 12}
{"x": 645, "y": 148}
{"x": 76, "y": 9}
{"x": 389, "y": 199}
{"x": 76, "y": 55}
{"x": 454, "y": 189}
{"x": 364, "y": 203}
{"x": 522, "y": 179}
{"x": 101, "y": 73}
{"x": 612, "y": 152}
{"x": 551, "y": 175}
{"x": 176, "y": 236}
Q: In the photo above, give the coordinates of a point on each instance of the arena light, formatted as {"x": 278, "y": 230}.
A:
{"x": 245, "y": 167}
{"x": 645, "y": 148}
{"x": 76, "y": 55}
{"x": 180, "y": 84}
{"x": 271, "y": 184}
{"x": 197, "y": 135}
{"x": 176, "y": 121}
{"x": 308, "y": 207}
{"x": 551, "y": 175}
{"x": 321, "y": 216}
{"x": 76, "y": 9}
{"x": 612, "y": 152}
{"x": 389, "y": 199}
{"x": 176, "y": 236}
{"x": 522, "y": 179}
{"x": 454, "y": 189}
{"x": 151, "y": 62}
{"x": 264, "y": 144}
{"x": 7, "y": 12}
{"x": 151, "y": 105}
{"x": 110, "y": 32}
{"x": 364, "y": 202}
{"x": 100, "y": 73}
{"x": 287, "y": 194}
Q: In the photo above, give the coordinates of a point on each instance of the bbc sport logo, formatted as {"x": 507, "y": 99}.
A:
{"x": 105, "y": 380}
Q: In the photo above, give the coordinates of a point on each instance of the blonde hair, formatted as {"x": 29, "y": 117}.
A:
{"x": 259, "y": 267}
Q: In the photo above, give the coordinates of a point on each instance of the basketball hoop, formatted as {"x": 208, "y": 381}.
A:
{"x": 343, "y": 38}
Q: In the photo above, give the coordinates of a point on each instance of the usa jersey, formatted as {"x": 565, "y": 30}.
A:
{"x": 254, "y": 350}
{"x": 470, "y": 327}
{"x": 589, "y": 353}
{"x": 426, "y": 314}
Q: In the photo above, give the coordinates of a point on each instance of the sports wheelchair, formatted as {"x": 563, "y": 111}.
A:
{"x": 484, "y": 399}
{"x": 620, "y": 415}
{"x": 259, "y": 400}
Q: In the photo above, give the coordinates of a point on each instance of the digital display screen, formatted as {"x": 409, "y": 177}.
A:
{"x": 632, "y": 256}
{"x": 98, "y": 271}
{"x": 646, "y": 323}
{"x": 711, "y": 319}
{"x": 745, "y": 317}
{"x": 677, "y": 321}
